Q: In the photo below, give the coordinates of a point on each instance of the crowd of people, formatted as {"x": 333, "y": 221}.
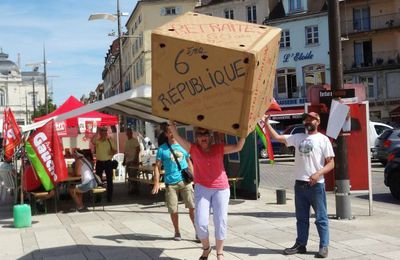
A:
{"x": 210, "y": 192}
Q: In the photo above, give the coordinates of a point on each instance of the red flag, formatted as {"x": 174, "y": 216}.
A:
{"x": 11, "y": 134}
{"x": 44, "y": 150}
{"x": 274, "y": 106}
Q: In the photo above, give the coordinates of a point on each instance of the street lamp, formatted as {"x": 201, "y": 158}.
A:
{"x": 36, "y": 67}
{"x": 113, "y": 17}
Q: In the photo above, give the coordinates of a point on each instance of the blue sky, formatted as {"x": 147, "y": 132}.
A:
{"x": 74, "y": 46}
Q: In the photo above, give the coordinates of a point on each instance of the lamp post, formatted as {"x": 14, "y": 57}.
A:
{"x": 113, "y": 17}
{"x": 33, "y": 96}
{"x": 36, "y": 68}
{"x": 46, "y": 102}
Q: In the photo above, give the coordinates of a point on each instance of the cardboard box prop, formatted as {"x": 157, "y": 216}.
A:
{"x": 213, "y": 72}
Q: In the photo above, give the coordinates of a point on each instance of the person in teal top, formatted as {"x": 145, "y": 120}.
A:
{"x": 174, "y": 184}
{"x": 165, "y": 156}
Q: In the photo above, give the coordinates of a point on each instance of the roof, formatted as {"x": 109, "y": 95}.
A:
{"x": 7, "y": 66}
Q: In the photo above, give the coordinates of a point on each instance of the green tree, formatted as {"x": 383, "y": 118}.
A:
{"x": 41, "y": 108}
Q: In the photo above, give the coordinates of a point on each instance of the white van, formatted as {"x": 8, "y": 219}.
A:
{"x": 375, "y": 130}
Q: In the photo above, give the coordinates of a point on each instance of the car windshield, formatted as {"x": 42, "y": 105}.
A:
{"x": 380, "y": 129}
{"x": 385, "y": 134}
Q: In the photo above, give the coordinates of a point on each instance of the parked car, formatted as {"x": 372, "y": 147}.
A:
{"x": 375, "y": 130}
{"x": 392, "y": 173}
{"x": 386, "y": 143}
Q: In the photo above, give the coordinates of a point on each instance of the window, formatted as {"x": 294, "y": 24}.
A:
{"x": 312, "y": 35}
{"x": 252, "y": 14}
{"x": 170, "y": 11}
{"x": 2, "y": 98}
{"x": 314, "y": 75}
{"x": 229, "y": 14}
{"x": 287, "y": 83}
{"x": 361, "y": 19}
{"x": 362, "y": 54}
{"x": 368, "y": 82}
{"x": 141, "y": 40}
{"x": 295, "y": 6}
{"x": 133, "y": 48}
{"x": 285, "y": 39}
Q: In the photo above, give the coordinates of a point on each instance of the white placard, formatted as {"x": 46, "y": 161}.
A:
{"x": 337, "y": 118}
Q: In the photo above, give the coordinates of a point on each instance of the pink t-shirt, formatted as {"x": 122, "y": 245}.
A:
{"x": 209, "y": 168}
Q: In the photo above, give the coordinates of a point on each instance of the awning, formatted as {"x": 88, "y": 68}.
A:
{"x": 135, "y": 102}
{"x": 287, "y": 114}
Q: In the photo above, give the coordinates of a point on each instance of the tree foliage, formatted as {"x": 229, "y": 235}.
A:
{"x": 41, "y": 109}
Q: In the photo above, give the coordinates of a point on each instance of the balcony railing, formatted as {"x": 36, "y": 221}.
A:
{"x": 371, "y": 23}
{"x": 378, "y": 59}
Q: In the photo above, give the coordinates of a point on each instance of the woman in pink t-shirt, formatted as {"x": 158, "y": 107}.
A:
{"x": 211, "y": 186}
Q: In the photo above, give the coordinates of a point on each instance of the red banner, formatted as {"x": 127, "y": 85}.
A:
{"x": 47, "y": 153}
{"x": 11, "y": 134}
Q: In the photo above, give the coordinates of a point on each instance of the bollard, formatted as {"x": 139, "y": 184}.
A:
{"x": 281, "y": 196}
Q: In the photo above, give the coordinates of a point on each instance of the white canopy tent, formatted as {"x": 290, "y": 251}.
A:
{"x": 135, "y": 102}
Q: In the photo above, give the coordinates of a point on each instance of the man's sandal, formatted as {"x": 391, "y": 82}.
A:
{"x": 221, "y": 254}
{"x": 204, "y": 250}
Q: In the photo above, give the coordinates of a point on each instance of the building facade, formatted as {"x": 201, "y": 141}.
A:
{"x": 371, "y": 53}
{"x": 21, "y": 91}
{"x": 252, "y": 11}
{"x": 304, "y": 54}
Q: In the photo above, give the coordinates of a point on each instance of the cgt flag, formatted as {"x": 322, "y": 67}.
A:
{"x": 44, "y": 150}
{"x": 11, "y": 133}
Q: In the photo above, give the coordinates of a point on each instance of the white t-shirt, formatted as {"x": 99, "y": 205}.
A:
{"x": 86, "y": 172}
{"x": 311, "y": 152}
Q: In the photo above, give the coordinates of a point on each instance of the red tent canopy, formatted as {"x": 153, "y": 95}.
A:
{"x": 71, "y": 104}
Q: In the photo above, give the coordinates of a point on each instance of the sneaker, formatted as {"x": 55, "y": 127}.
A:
{"x": 84, "y": 209}
{"x": 177, "y": 237}
{"x": 196, "y": 239}
{"x": 296, "y": 249}
{"x": 322, "y": 253}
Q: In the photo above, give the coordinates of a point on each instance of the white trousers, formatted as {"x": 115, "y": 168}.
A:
{"x": 205, "y": 200}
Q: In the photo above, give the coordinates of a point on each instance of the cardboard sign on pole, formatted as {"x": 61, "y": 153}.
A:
{"x": 213, "y": 72}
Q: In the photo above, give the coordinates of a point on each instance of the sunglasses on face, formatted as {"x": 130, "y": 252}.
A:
{"x": 203, "y": 134}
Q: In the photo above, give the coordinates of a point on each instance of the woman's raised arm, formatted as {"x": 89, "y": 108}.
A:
{"x": 182, "y": 141}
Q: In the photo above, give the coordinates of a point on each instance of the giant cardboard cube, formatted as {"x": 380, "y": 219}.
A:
{"x": 213, "y": 72}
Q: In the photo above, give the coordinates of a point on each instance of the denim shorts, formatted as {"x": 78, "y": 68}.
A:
{"x": 87, "y": 186}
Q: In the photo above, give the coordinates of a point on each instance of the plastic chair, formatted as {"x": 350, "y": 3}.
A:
{"x": 119, "y": 157}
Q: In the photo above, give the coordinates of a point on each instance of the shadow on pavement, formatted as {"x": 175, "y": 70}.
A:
{"x": 136, "y": 237}
{"x": 265, "y": 214}
{"x": 381, "y": 197}
{"x": 97, "y": 252}
{"x": 252, "y": 251}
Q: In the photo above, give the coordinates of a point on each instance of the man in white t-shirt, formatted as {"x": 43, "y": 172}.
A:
{"x": 313, "y": 159}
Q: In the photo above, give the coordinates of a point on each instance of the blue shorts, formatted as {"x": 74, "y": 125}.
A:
{"x": 87, "y": 186}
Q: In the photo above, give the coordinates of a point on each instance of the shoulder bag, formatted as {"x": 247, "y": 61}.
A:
{"x": 187, "y": 176}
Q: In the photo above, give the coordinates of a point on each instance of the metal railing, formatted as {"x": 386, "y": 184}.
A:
{"x": 385, "y": 21}
{"x": 374, "y": 59}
